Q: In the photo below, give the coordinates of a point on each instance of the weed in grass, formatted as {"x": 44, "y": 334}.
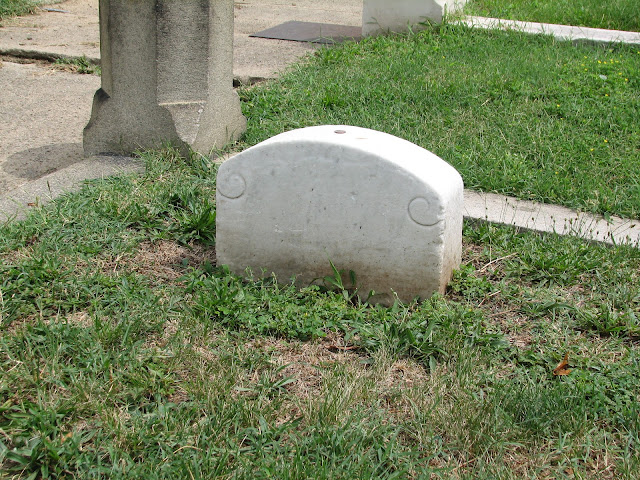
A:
{"x": 608, "y": 320}
{"x": 471, "y": 286}
{"x": 269, "y": 385}
{"x": 42, "y": 286}
{"x": 195, "y": 216}
{"x": 336, "y": 282}
{"x": 78, "y": 65}
{"x": 45, "y": 448}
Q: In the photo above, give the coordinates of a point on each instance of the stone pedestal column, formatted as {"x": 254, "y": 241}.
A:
{"x": 167, "y": 76}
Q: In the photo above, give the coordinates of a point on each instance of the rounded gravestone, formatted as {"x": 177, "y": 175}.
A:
{"x": 366, "y": 201}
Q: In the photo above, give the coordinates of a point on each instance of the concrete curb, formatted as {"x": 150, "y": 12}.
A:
{"x": 541, "y": 217}
{"x": 47, "y": 56}
{"x": 560, "y": 32}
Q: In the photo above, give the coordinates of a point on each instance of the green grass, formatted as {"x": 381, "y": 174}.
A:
{"x": 610, "y": 14}
{"x": 78, "y": 65}
{"x": 126, "y": 353}
{"x": 516, "y": 114}
{"x": 11, "y": 8}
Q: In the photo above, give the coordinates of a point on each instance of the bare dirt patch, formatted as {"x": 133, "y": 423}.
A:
{"x": 81, "y": 319}
{"x": 309, "y": 363}
{"x": 164, "y": 260}
{"x": 316, "y": 365}
{"x": 18, "y": 255}
{"x": 17, "y": 325}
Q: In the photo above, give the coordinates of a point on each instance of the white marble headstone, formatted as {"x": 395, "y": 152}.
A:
{"x": 367, "y": 201}
{"x": 384, "y": 16}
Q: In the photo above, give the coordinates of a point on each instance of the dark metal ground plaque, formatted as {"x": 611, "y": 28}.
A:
{"x": 311, "y": 32}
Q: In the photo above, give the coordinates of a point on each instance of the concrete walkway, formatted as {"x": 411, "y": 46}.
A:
{"x": 43, "y": 110}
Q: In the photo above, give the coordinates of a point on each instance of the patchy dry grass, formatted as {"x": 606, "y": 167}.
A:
{"x": 126, "y": 352}
{"x": 163, "y": 260}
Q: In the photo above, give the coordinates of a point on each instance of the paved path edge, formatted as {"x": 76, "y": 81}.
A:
{"x": 15, "y": 204}
{"x": 560, "y": 32}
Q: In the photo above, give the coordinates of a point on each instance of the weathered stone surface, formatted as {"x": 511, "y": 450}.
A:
{"x": 383, "y": 16}
{"x": 367, "y": 201}
{"x": 167, "y": 76}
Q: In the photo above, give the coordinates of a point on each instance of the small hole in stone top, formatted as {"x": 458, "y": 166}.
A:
{"x": 340, "y": 132}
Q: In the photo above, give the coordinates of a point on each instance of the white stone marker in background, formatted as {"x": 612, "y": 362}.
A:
{"x": 383, "y": 16}
{"x": 367, "y": 201}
